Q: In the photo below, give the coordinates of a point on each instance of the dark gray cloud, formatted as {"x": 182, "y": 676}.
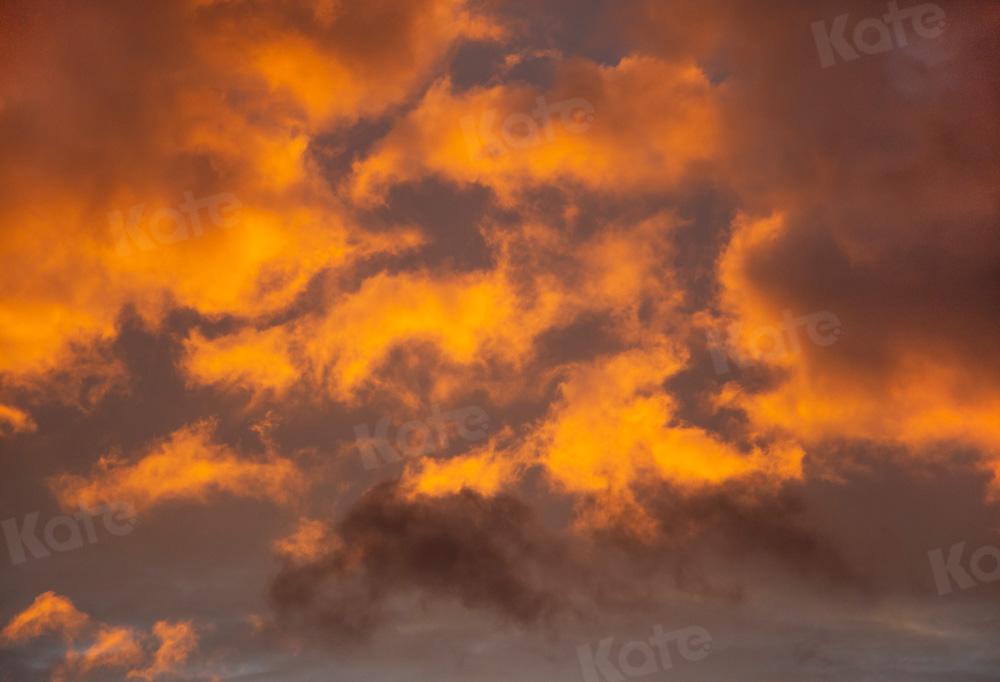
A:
{"x": 488, "y": 553}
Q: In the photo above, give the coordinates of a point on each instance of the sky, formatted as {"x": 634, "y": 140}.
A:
{"x": 536, "y": 340}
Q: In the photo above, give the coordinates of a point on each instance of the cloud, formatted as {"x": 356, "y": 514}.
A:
{"x": 307, "y": 542}
{"x": 177, "y": 642}
{"x": 486, "y": 552}
{"x": 879, "y": 235}
{"x": 112, "y": 647}
{"x": 701, "y": 531}
{"x": 476, "y": 320}
{"x": 106, "y": 646}
{"x": 612, "y": 430}
{"x": 584, "y": 130}
{"x": 48, "y": 613}
{"x": 186, "y": 466}
{"x": 14, "y": 420}
{"x": 331, "y": 212}
{"x": 261, "y": 360}
{"x": 325, "y": 61}
{"x": 941, "y": 390}
{"x": 250, "y": 87}
{"x": 613, "y": 425}
{"x": 462, "y": 315}
{"x": 486, "y": 472}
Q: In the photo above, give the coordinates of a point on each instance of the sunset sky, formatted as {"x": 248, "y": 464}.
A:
{"x": 495, "y": 340}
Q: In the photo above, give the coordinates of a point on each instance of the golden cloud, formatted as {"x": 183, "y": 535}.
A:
{"x": 214, "y": 206}
{"x": 14, "y": 420}
{"x": 917, "y": 397}
{"x": 112, "y": 647}
{"x": 177, "y": 642}
{"x": 586, "y": 130}
{"x": 470, "y": 319}
{"x": 612, "y": 429}
{"x": 49, "y": 613}
{"x": 615, "y": 425}
{"x": 310, "y": 539}
{"x": 188, "y": 465}
{"x": 109, "y": 646}
{"x": 486, "y": 472}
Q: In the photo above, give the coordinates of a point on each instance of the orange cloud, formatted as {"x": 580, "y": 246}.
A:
{"x": 614, "y": 425}
{"x": 14, "y": 420}
{"x": 186, "y": 466}
{"x": 262, "y": 360}
{"x": 586, "y": 130}
{"x": 330, "y": 72}
{"x": 48, "y": 613}
{"x": 177, "y": 642}
{"x": 917, "y": 396}
{"x": 462, "y": 315}
{"x": 470, "y": 319}
{"x": 486, "y": 472}
{"x": 308, "y": 542}
{"x": 113, "y": 647}
{"x": 245, "y": 100}
{"x": 109, "y": 646}
{"x": 613, "y": 428}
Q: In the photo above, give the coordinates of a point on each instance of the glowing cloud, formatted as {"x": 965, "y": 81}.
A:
{"x": 150, "y": 229}
{"x": 49, "y": 613}
{"x": 186, "y": 466}
{"x": 917, "y": 397}
{"x": 586, "y": 130}
{"x": 14, "y": 420}
{"x": 109, "y": 646}
{"x": 177, "y": 642}
{"x": 307, "y": 542}
{"x": 112, "y": 647}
